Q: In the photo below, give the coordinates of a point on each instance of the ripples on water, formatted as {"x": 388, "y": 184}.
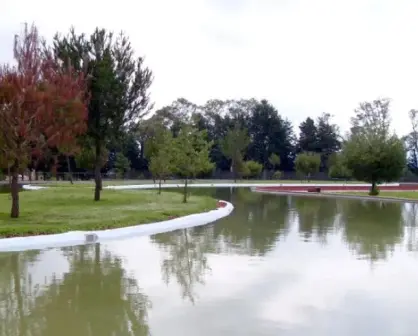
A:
{"x": 276, "y": 266}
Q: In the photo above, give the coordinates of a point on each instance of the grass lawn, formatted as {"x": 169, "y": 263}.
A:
{"x": 57, "y": 210}
{"x": 394, "y": 194}
{"x": 122, "y": 182}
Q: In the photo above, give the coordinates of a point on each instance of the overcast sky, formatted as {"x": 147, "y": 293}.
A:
{"x": 305, "y": 56}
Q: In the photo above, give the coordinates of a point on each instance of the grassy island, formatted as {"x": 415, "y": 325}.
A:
{"x": 57, "y": 210}
{"x": 407, "y": 195}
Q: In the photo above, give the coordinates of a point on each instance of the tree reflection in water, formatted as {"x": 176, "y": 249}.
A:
{"x": 253, "y": 229}
{"x": 257, "y": 223}
{"x": 186, "y": 259}
{"x": 372, "y": 229}
{"x": 94, "y": 298}
{"x": 316, "y": 217}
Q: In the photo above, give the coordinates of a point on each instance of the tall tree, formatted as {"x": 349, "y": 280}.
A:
{"x": 328, "y": 139}
{"x": 270, "y": 133}
{"x": 41, "y": 104}
{"x": 118, "y": 84}
{"x": 411, "y": 141}
{"x": 234, "y": 146}
{"x": 191, "y": 155}
{"x": 372, "y": 152}
{"x": 308, "y": 136}
{"x": 161, "y": 163}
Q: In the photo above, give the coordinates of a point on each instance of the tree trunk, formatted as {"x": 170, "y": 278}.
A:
{"x": 97, "y": 172}
{"x": 15, "y": 192}
{"x": 70, "y": 173}
{"x": 374, "y": 191}
{"x": 159, "y": 187}
{"x": 30, "y": 175}
{"x": 9, "y": 174}
{"x": 36, "y": 175}
{"x": 185, "y": 191}
{"x": 233, "y": 171}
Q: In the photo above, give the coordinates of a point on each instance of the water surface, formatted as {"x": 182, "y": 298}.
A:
{"x": 279, "y": 265}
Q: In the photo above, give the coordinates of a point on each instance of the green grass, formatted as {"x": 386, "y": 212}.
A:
{"x": 393, "y": 194}
{"x": 59, "y": 210}
{"x": 123, "y": 182}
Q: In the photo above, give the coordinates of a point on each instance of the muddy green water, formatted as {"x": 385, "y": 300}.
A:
{"x": 277, "y": 266}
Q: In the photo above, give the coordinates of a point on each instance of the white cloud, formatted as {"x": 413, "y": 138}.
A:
{"x": 305, "y": 56}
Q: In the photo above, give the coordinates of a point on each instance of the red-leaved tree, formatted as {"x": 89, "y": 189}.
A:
{"x": 42, "y": 105}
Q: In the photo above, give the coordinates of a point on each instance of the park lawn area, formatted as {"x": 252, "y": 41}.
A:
{"x": 57, "y": 210}
{"x": 393, "y": 194}
{"x": 210, "y": 181}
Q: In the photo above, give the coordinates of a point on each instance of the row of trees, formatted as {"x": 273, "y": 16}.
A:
{"x": 370, "y": 152}
{"x": 82, "y": 103}
{"x": 75, "y": 99}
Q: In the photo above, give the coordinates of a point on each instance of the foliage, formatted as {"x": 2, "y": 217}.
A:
{"x": 277, "y": 175}
{"x": 274, "y": 160}
{"x": 86, "y": 157}
{"x": 118, "y": 86}
{"x": 339, "y": 171}
{"x": 122, "y": 164}
{"x": 337, "y": 167}
{"x": 161, "y": 163}
{"x": 321, "y": 137}
{"x": 372, "y": 153}
{"x": 41, "y": 105}
{"x": 411, "y": 142}
{"x": 233, "y": 147}
{"x": 270, "y": 133}
{"x": 308, "y": 136}
{"x": 191, "y": 154}
{"x": 307, "y": 163}
{"x": 253, "y": 169}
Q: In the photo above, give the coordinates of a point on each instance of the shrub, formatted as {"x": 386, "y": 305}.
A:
{"x": 277, "y": 175}
{"x": 252, "y": 169}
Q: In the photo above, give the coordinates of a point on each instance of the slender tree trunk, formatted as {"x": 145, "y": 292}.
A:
{"x": 36, "y": 175}
{"x": 97, "y": 172}
{"x": 374, "y": 191}
{"x": 30, "y": 175}
{"x": 9, "y": 174}
{"x": 15, "y": 192}
{"x": 233, "y": 171}
{"x": 70, "y": 173}
{"x": 159, "y": 187}
{"x": 185, "y": 191}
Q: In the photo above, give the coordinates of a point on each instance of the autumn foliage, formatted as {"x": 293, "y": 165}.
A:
{"x": 42, "y": 105}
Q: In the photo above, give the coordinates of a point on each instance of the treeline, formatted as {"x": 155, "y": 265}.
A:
{"x": 82, "y": 104}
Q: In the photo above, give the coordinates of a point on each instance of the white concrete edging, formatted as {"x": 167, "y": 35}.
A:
{"x": 87, "y": 237}
{"x": 222, "y": 185}
{"x": 245, "y": 185}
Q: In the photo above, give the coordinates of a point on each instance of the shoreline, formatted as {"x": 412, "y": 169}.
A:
{"x": 48, "y": 211}
{"x": 73, "y": 238}
{"x": 340, "y": 194}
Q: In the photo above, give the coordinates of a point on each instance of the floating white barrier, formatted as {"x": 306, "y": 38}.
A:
{"x": 87, "y": 237}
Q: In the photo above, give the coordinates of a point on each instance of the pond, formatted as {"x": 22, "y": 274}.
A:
{"x": 279, "y": 265}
